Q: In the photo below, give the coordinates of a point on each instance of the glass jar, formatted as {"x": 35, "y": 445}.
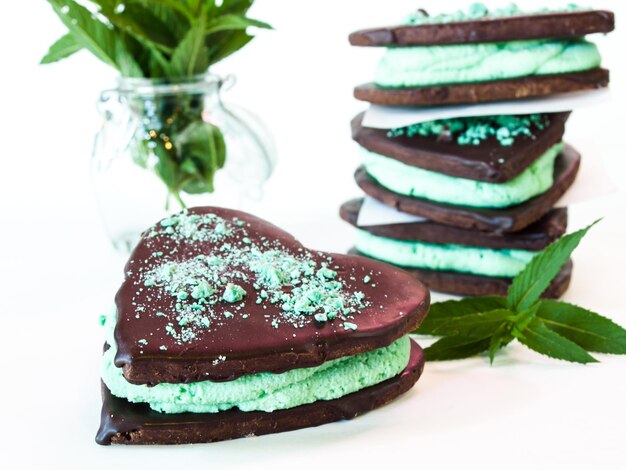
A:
{"x": 166, "y": 145}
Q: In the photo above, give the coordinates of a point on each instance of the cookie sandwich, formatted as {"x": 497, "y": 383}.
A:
{"x": 485, "y": 55}
{"x": 226, "y": 326}
{"x": 456, "y": 260}
{"x": 489, "y": 173}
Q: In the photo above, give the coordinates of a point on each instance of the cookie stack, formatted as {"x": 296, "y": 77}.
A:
{"x": 482, "y": 188}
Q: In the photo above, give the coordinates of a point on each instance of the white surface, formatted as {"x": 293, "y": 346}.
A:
{"x": 58, "y": 271}
{"x": 387, "y": 117}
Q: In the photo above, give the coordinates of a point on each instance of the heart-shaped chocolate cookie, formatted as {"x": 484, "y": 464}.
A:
{"x": 217, "y": 302}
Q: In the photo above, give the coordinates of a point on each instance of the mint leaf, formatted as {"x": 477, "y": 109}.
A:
{"x": 191, "y": 56}
{"x": 91, "y": 33}
{"x": 473, "y": 325}
{"x": 441, "y": 312}
{"x": 529, "y": 284}
{"x": 500, "y": 338}
{"x": 538, "y": 337}
{"x": 142, "y": 23}
{"x": 64, "y": 47}
{"x": 221, "y": 45}
{"x": 455, "y": 347}
{"x": 233, "y": 22}
{"x": 585, "y": 328}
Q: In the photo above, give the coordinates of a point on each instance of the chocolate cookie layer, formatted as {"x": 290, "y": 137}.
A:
{"x": 128, "y": 423}
{"x": 533, "y": 238}
{"x": 512, "y": 28}
{"x": 457, "y": 283}
{"x": 510, "y": 219}
{"x": 483, "y": 92}
{"x": 490, "y": 161}
{"x": 257, "y": 337}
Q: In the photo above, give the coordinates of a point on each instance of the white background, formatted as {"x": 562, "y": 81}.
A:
{"x": 58, "y": 272}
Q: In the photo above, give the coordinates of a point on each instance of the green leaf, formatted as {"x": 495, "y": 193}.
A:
{"x": 174, "y": 5}
{"x": 126, "y": 64}
{"x": 92, "y": 34}
{"x": 233, "y": 22}
{"x": 64, "y": 47}
{"x": 455, "y": 347}
{"x": 538, "y": 337}
{"x": 203, "y": 149}
{"x": 177, "y": 22}
{"x": 222, "y": 45}
{"x": 142, "y": 23}
{"x": 191, "y": 56}
{"x": 529, "y": 284}
{"x": 500, "y": 338}
{"x": 473, "y": 325}
{"x": 441, "y": 312}
{"x": 521, "y": 321}
{"x": 587, "y": 329}
{"x": 236, "y": 6}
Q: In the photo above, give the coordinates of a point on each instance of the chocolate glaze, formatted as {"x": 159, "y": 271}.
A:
{"x": 535, "y": 237}
{"x": 505, "y": 220}
{"x": 457, "y": 283}
{"x": 483, "y": 92}
{"x": 130, "y": 423}
{"x": 489, "y": 161}
{"x": 533, "y": 26}
{"x": 252, "y": 345}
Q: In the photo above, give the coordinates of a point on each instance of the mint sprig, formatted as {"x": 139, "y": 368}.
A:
{"x": 171, "y": 41}
{"x": 550, "y": 327}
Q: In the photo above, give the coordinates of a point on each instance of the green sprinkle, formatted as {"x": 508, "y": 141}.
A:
{"x": 321, "y": 317}
{"x": 325, "y": 273}
{"x": 103, "y": 320}
{"x": 349, "y": 326}
{"x": 170, "y": 221}
{"x": 163, "y": 348}
{"x": 202, "y": 290}
{"x": 143, "y": 341}
{"x": 233, "y": 293}
{"x": 366, "y": 280}
{"x": 476, "y": 130}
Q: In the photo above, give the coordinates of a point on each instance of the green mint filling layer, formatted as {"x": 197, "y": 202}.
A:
{"x": 478, "y": 11}
{"x": 461, "y": 63}
{"x": 265, "y": 391}
{"x": 417, "y": 182}
{"x": 415, "y": 254}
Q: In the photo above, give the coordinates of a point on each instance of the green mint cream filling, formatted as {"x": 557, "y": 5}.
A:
{"x": 264, "y": 391}
{"x": 462, "y": 63}
{"x": 417, "y": 182}
{"x": 415, "y": 254}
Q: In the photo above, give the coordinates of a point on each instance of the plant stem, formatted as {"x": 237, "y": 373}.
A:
{"x": 180, "y": 201}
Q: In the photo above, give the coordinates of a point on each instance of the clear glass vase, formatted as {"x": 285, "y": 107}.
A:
{"x": 165, "y": 145}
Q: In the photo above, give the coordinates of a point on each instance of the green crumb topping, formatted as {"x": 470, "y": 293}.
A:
{"x": 299, "y": 286}
{"x": 478, "y": 11}
{"x": 476, "y": 130}
{"x": 233, "y": 293}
